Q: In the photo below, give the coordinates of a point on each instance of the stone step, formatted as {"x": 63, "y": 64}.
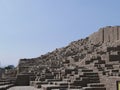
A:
{"x": 5, "y": 87}
{"x": 94, "y": 88}
{"x": 90, "y": 74}
{"x": 89, "y": 78}
{"x": 80, "y": 83}
{"x": 95, "y": 85}
{"x": 94, "y": 81}
{"x": 52, "y": 80}
{"x": 86, "y": 70}
{"x": 74, "y": 87}
{"x": 52, "y": 87}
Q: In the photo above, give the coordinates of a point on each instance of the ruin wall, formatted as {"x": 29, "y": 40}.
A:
{"x": 106, "y": 34}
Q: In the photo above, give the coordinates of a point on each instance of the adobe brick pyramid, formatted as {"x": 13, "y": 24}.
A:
{"x": 92, "y": 63}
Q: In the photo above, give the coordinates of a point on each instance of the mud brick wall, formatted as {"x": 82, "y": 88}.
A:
{"x": 106, "y": 34}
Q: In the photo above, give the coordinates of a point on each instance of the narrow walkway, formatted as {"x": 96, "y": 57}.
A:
{"x": 23, "y": 88}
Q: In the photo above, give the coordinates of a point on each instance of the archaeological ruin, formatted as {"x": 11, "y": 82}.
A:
{"x": 92, "y": 63}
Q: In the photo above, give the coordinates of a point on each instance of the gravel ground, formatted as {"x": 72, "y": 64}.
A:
{"x": 23, "y": 88}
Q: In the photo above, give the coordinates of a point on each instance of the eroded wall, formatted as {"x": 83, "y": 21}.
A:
{"x": 106, "y": 34}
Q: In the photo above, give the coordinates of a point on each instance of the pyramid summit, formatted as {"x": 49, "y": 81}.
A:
{"x": 106, "y": 34}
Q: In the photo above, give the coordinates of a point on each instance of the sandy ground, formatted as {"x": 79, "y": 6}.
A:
{"x": 23, "y": 88}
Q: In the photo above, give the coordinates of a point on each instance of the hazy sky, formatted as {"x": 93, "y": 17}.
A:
{"x": 29, "y": 28}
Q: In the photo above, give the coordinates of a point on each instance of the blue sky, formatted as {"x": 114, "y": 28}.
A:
{"x": 29, "y": 28}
